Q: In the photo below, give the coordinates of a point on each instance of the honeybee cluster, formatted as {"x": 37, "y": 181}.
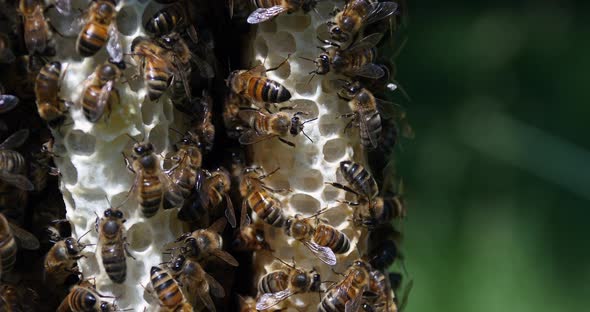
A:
{"x": 184, "y": 196}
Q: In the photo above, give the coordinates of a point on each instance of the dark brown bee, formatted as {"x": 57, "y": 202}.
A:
{"x": 250, "y": 238}
{"x": 84, "y": 297}
{"x": 8, "y": 244}
{"x": 113, "y": 244}
{"x": 384, "y": 247}
{"x": 203, "y": 126}
{"x": 204, "y": 242}
{"x": 37, "y": 35}
{"x": 99, "y": 92}
{"x": 379, "y": 294}
{"x": 50, "y": 107}
{"x": 13, "y": 166}
{"x": 100, "y": 28}
{"x": 41, "y": 166}
{"x": 61, "y": 259}
{"x": 303, "y": 230}
{"x": 157, "y": 69}
{"x": 231, "y": 107}
{"x": 264, "y": 126}
{"x": 267, "y": 9}
{"x": 257, "y": 196}
{"x": 195, "y": 280}
{"x": 171, "y": 18}
{"x": 214, "y": 189}
{"x": 357, "y": 60}
{"x": 169, "y": 293}
{"x": 184, "y": 172}
{"x": 360, "y": 180}
{"x": 149, "y": 180}
{"x": 253, "y": 85}
{"x": 279, "y": 285}
{"x": 347, "y": 294}
{"x": 356, "y": 14}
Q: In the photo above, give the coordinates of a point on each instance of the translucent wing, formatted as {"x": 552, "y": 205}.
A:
{"x": 268, "y": 300}
{"x": 18, "y": 180}
{"x": 218, "y": 225}
{"x": 114, "y": 45}
{"x": 406, "y": 295}
{"x": 203, "y": 293}
{"x": 250, "y": 136}
{"x": 15, "y": 140}
{"x": 202, "y": 188}
{"x": 380, "y": 11}
{"x": 244, "y": 217}
{"x": 64, "y": 7}
{"x": 366, "y": 42}
{"x": 103, "y": 99}
{"x": 7, "y": 103}
{"x": 364, "y": 128}
{"x": 214, "y": 287}
{"x": 76, "y": 26}
{"x": 369, "y": 70}
{"x": 323, "y": 253}
{"x": 264, "y": 14}
{"x": 230, "y": 214}
{"x": 25, "y": 238}
{"x": 354, "y": 304}
{"x": 225, "y": 257}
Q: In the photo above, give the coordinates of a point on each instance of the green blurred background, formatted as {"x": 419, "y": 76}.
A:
{"x": 498, "y": 176}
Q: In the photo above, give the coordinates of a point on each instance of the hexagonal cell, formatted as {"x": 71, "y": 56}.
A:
{"x": 283, "y": 42}
{"x": 307, "y": 180}
{"x": 80, "y": 143}
{"x": 139, "y": 236}
{"x": 159, "y": 137}
{"x": 307, "y": 106}
{"x": 297, "y": 23}
{"x": 261, "y": 47}
{"x": 307, "y": 88}
{"x": 69, "y": 174}
{"x": 329, "y": 125}
{"x": 127, "y": 20}
{"x": 284, "y": 68}
{"x": 334, "y": 150}
{"x": 149, "y": 111}
{"x": 304, "y": 203}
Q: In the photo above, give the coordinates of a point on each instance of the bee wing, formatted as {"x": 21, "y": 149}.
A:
{"x": 202, "y": 189}
{"x": 114, "y": 45}
{"x": 363, "y": 119}
{"x": 354, "y": 304}
{"x": 323, "y": 253}
{"x": 264, "y": 14}
{"x": 7, "y": 103}
{"x": 370, "y": 70}
{"x": 203, "y": 293}
{"x": 225, "y": 257}
{"x": 218, "y": 226}
{"x": 230, "y": 213}
{"x": 6, "y": 56}
{"x": 380, "y": 11}
{"x": 250, "y": 136}
{"x": 103, "y": 99}
{"x": 64, "y": 7}
{"x": 268, "y": 300}
{"x": 25, "y": 238}
{"x": 390, "y": 110}
{"x": 16, "y": 139}
{"x": 18, "y": 180}
{"x": 76, "y": 25}
{"x": 244, "y": 217}
{"x": 366, "y": 42}
{"x": 214, "y": 286}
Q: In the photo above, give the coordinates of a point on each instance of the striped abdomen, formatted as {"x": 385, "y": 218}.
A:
{"x": 80, "y": 299}
{"x": 359, "y": 58}
{"x": 165, "y": 20}
{"x": 337, "y": 297}
{"x": 359, "y": 179}
{"x": 46, "y": 84}
{"x": 330, "y": 237}
{"x": 36, "y": 31}
{"x": 262, "y": 89}
{"x": 273, "y": 282}
{"x": 92, "y": 37}
{"x": 157, "y": 77}
{"x": 90, "y": 102}
{"x": 113, "y": 260}
{"x": 149, "y": 192}
{"x": 166, "y": 288}
{"x": 12, "y": 162}
{"x": 370, "y": 132}
{"x": 8, "y": 246}
{"x": 267, "y": 208}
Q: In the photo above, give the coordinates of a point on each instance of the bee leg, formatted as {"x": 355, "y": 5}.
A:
{"x": 287, "y": 142}
{"x": 279, "y": 66}
{"x": 349, "y": 203}
{"x": 126, "y": 245}
{"x": 342, "y": 187}
{"x": 127, "y": 163}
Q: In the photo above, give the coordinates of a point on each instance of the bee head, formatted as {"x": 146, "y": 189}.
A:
{"x": 143, "y": 149}
{"x": 178, "y": 263}
{"x": 107, "y": 72}
{"x": 338, "y": 31}
{"x": 316, "y": 281}
{"x": 105, "y": 10}
{"x": 72, "y": 246}
{"x": 322, "y": 63}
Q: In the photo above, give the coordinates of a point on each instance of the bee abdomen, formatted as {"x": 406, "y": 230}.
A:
{"x": 157, "y": 82}
{"x": 113, "y": 259}
{"x": 273, "y": 282}
{"x": 166, "y": 288}
{"x": 269, "y": 91}
{"x": 150, "y": 196}
{"x": 328, "y": 236}
{"x": 12, "y": 161}
{"x": 267, "y": 209}
{"x": 164, "y": 21}
{"x": 371, "y": 137}
{"x": 359, "y": 178}
{"x": 8, "y": 253}
{"x": 90, "y": 39}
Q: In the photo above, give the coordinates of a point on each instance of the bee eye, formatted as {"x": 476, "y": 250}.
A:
{"x": 138, "y": 150}
{"x": 119, "y": 214}
{"x": 108, "y": 213}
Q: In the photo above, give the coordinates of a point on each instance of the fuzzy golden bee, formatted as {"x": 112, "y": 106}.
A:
{"x": 347, "y": 294}
{"x": 356, "y": 14}
{"x": 257, "y": 196}
{"x": 169, "y": 293}
{"x": 304, "y": 230}
{"x": 253, "y": 85}
{"x": 267, "y": 9}
{"x": 50, "y": 107}
{"x": 157, "y": 69}
{"x": 61, "y": 259}
{"x": 264, "y": 126}
{"x": 113, "y": 245}
{"x": 84, "y": 297}
{"x": 99, "y": 93}
{"x": 207, "y": 242}
{"x": 99, "y": 28}
{"x": 195, "y": 280}
{"x": 277, "y": 286}
{"x": 37, "y": 34}
{"x": 183, "y": 175}
{"x": 214, "y": 187}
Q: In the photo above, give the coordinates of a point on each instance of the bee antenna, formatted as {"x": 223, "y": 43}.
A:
{"x": 307, "y": 59}
{"x": 108, "y": 201}
{"x": 79, "y": 238}
{"x": 285, "y": 263}
{"x": 177, "y": 131}
{"x": 312, "y": 76}
{"x": 305, "y": 134}
{"x": 132, "y": 138}
{"x": 309, "y": 120}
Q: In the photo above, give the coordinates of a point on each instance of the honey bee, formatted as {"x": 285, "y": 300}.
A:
{"x": 267, "y": 9}
{"x": 149, "y": 179}
{"x": 346, "y": 295}
{"x": 50, "y": 107}
{"x": 203, "y": 126}
{"x": 12, "y": 164}
{"x": 184, "y": 172}
{"x": 379, "y": 293}
{"x": 381, "y": 211}
{"x": 264, "y": 126}
{"x": 204, "y": 242}
{"x": 15, "y": 299}
{"x": 231, "y": 107}
{"x": 250, "y": 238}
{"x": 99, "y": 92}
{"x": 157, "y": 69}
{"x": 84, "y": 297}
{"x": 257, "y": 196}
{"x": 6, "y": 54}
{"x": 36, "y": 32}
{"x": 99, "y": 28}
{"x": 214, "y": 189}
{"x": 171, "y": 18}
{"x": 194, "y": 279}
{"x": 357, "y": 60}
{"x": 169, "y": 293}
{"x": 61, "y": 259}
{"x": 360, "y": 180}
{"x": 8, "y": 243}
{"x": 303, "y": 230}
{"x": 113, "y": 245}
{"x": 253, "y": 85}
{"x": 356, "y": 14}
{"x": 279, "y": 285}
{"x": 41, "y": 166}
{"x": 383, "y": 247}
